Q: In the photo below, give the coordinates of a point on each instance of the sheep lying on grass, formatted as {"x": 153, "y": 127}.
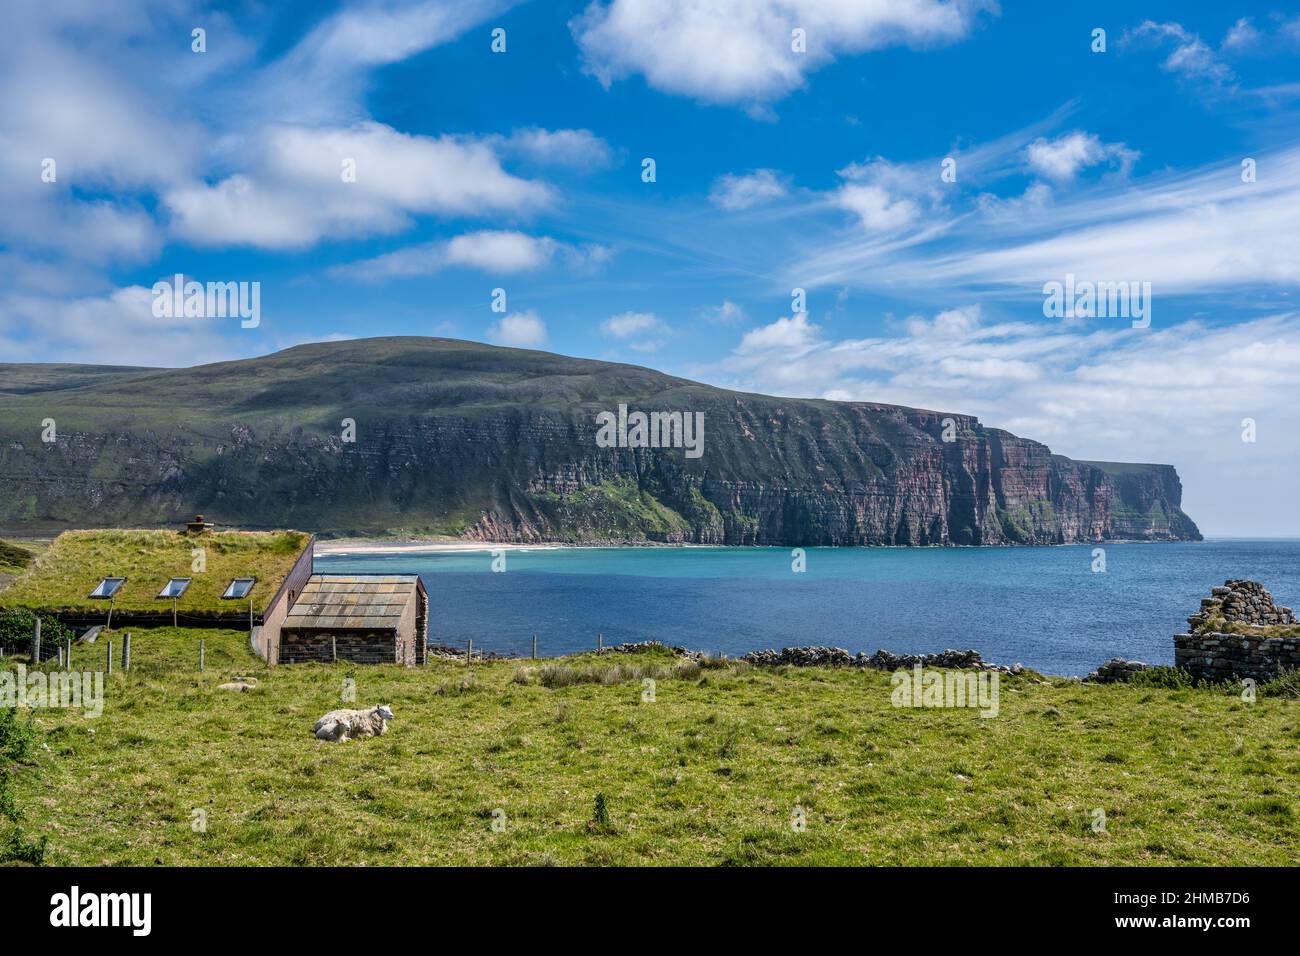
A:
{"x": 241, "y": 685}
{"x": 341, "y": 725}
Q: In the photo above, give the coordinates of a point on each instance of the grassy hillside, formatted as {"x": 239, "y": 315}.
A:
{"x": 465, "y": 439}
{"x": 13, "y": 557}
{"x": 16, "y": 379}
{"x": 66, "y": 572}
{"x": 709, "y": 773}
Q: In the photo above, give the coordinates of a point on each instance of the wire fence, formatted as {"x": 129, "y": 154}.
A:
{"x": 98, "y": 649}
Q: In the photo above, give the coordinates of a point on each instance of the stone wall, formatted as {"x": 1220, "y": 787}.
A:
{"x": 817, "y": 656}
{"x": 1242, "y": 601}
{"x": 1208, "y": 653}
{"x": 1116, "y": 669}
{"x": 361, "y": 647}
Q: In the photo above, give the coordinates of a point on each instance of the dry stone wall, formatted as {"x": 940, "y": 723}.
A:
{"x": 1208, "y": 651}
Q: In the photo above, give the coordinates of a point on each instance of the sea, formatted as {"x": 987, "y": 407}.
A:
{"x": 1061, "y": 610}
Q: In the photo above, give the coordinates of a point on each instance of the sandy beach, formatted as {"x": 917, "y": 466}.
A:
{"x": 434, "y": 546}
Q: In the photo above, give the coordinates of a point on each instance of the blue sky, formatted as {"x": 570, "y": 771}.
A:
{"x": 775, "y": 169}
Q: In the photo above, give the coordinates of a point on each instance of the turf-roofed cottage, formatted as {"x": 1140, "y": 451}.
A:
{"x": 201, "y": 577}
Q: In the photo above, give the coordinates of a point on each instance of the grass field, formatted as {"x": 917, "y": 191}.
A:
{"x": 711, "y": 772}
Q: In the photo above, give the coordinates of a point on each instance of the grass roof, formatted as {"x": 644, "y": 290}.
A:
{"x": 62, "y": 577}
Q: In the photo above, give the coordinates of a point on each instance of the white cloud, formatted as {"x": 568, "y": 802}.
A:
{"x": 1062, "y": 158}
{"x": 888, "y": 197}
{"x": 627, "y": 324}
{"x": 118, "y": 327}
{"x": 297, "y": 194}
{"x": 734, "y": 192}
{"x": 878, "y": 210}
{"x": 108, "y": 93}
{"x": 739, "y": 51}
{"x": 520, "y": 330}
{"x": 787, "y": 333}
{"x": 496, "y": 251}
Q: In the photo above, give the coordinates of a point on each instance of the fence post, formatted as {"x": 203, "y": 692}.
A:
{"x": 334, "y": 649}
{"x": 36, "y": 643}
{"x": 126, "y": 651}
{"x": 68, "y": 658}
{"x": 173, "y": 612}
{"x": 600, "y": 643}
{"x": 534, "y": 647}
{"x": 109, "y": 656}
{"x": 469, "y": 650}
{"x": 60, "y": 651}
{"x": 200, "y": 655}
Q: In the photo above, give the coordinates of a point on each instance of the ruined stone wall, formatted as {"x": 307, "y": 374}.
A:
{"x": 1217, "y": 656}
{"x": 1209, "y": 653}
{"x": 1242, "y": 601}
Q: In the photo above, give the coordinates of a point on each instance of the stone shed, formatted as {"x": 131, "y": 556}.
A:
{"x": 367, "y": 618}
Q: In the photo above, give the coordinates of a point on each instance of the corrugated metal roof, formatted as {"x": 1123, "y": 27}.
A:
{"x": 353, "y": 601}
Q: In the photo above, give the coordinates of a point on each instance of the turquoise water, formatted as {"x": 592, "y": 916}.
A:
{"x": 1043, "y": 607}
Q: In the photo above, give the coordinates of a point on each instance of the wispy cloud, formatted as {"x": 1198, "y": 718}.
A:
{"x": 487, "y": 250}
{"x": 573, "y": 148}
{"x": 1193, "y": 231}
{"x": 744, "y": 191}
{"x": 1190, "y": 56}
{"x": 641, "y": 331}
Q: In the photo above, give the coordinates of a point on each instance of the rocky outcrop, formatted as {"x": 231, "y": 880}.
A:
{"x": 500, "y": 444}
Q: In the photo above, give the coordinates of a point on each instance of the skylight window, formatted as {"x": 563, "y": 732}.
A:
{"x": 107, "y": 587}
{"x": 174, "y": 588}
{"x": 239, "y": 588}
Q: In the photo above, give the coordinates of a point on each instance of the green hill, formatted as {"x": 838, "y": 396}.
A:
{"x": 466, "y": 439}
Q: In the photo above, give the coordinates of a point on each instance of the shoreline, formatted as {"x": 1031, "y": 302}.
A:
{"x": 391, "y": 546}
{"x": 435, "y": 546}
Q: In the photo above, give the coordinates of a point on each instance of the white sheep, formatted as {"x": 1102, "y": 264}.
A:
{"x": 341, "y": 725}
